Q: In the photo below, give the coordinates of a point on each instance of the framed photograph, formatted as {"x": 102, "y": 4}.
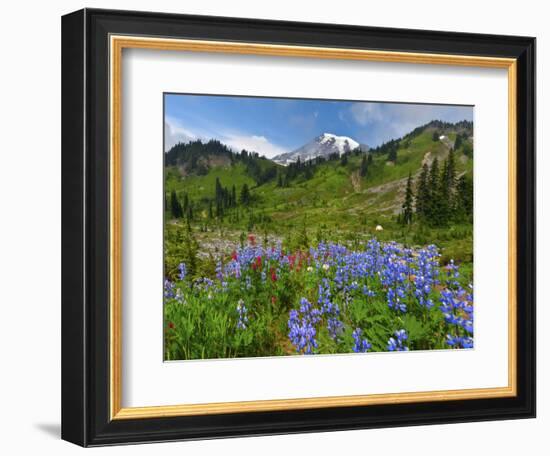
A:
{"x": 279, "y": 227}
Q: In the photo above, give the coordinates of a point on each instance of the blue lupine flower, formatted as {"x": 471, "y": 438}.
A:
{"x": 169, "y": 289}
{"x": 361, "y": 345}
{"x": 182, "y": 271}
{"x": 405, "y": 278}
{"x": 397, "y": 343}
{"x": 243, "y": 315}
{"x": 458, "y": 312}
{"x": 301, "y": 325}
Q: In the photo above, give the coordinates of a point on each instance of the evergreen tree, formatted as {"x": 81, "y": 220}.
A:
{"x": 369, "y": 160}
{"x": 458, "y": 142}
{"x": 279, "y": 180}
{"x": 445, "y": 194}
{"x": 407, "y": 209}
{"x": 435, "y": 136}
{"x": 392, "y": 154}
{"x": 364, "y": 166}
{"x": 245, "y": 195}
{"x": 433, "y": 211}
{"x": 233, "y": 196}
{"x": 450, "y": 174}
{"x": 423, "y": 193}
{"x": 175, "y": 206}
{"x": 344, "y": 159}
{"x": 464, "y": 199}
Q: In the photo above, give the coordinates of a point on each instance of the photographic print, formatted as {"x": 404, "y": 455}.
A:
{"x": 304, "y": 227}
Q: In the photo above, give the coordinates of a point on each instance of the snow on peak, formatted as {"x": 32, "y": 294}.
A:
{"x": 322, "y": 146}
{"x": 342, "y": 143}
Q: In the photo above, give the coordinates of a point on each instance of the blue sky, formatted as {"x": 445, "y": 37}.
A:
{"x": 271, "y": 126}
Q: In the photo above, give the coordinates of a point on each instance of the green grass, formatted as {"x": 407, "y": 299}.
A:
{"x": 334, "y": 202}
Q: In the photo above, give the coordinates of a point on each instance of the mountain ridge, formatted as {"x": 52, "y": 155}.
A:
{"x": 323, "y": 145}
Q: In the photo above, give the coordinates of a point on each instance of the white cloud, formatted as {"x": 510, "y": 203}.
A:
{"x": 253, "y": 143}
{"x": 364, "y": 113}
{"x": 175, "y": 133}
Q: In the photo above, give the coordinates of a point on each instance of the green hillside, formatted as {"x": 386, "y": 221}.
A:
{"x": 224, "y": 196}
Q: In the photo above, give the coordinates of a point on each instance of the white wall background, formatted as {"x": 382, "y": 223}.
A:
{"x": 30, "y": 192}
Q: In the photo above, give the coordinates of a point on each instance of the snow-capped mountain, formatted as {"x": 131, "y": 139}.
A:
{"x": 322, "y": 146}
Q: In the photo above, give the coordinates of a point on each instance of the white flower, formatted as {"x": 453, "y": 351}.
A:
{"x": 309, "y": 269}
{"x": 326, "y": 267}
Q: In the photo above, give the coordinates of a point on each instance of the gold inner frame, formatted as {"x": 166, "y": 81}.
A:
{"x": 117, "y": 44}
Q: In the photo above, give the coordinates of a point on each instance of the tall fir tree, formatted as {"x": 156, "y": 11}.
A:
{"x": 443, "y": 195}
{"x": 233, "y": 196}
{"x": 245, "y": 195}
{"x": 464, "y": 199}
{"x": 407, "y": 209}
{"x": 392, "y": 154}
{"x": 364, "y": 166}
{"x": 446, "y": 193}
{"x": 451, "y": 171}
{"x": 423, "y": 194}
{"x": 433, "y": 209}
{"x": 175, "y": 206}
{"x": 344, "y": 159}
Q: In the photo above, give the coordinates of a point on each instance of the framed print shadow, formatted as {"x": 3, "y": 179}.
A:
{"x": 277, "y": 227}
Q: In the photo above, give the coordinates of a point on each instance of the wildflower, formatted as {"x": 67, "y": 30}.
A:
{"x": 302, "y": 327}
{"x": 169, "y": 289}
{"x": 171, "y": 325}
{"x": 457, "y": 308}
{"x": 179, "y": 296}
{"x": 243, "y": 315}
{"x": 367, "y": 292}
{"x": 326, "y": 267}
{"x": 309, "y": 269}
{"x": 361, "y": 345}
{"x": 397, "y": 343}
{"x": 182, "y": 271}
{"x": 395, "y": 299}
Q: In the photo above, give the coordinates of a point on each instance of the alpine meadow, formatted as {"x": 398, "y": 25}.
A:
{"x": 303, "y": 227}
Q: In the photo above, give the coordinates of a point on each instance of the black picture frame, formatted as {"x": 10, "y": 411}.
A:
{"x": 85, "y": 227}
